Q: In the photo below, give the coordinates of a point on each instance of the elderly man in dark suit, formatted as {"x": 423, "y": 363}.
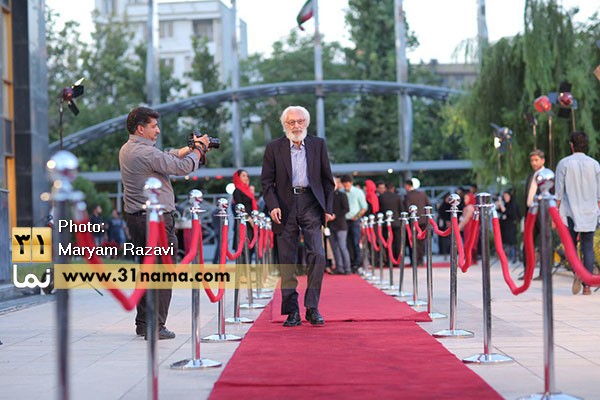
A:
{"x": 298, "y": 190}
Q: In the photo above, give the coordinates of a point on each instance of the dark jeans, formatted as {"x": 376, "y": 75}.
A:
{"x": 586, "y": 240}
{"x": 137, "y": 230}
{"x": 354, "y": 242}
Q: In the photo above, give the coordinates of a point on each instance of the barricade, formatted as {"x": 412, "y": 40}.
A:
{"x": 240, "y": 219}
{"x": 381, "y": 246}
{"x": 400, "y": 260}
{"x": 453, "y": 332}
{"x": 247, "y": 246}
{"x": 389, "y": 218}
{"x": 373, "y": 248}
{"x": 260, "y": 293}
{"x": 547, "y": 209}
{"x": 485, "y": 207}
{"x": 415, "y": 302}
{"x": 432, "y": 314}
{"x": 367, "y": 270}
{"x": 196, "y": 252}
{"x": 221, "y": 335}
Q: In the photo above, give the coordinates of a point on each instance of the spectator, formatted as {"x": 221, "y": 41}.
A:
{"x": 117, "y": 230}
{"x": 381, "y": 188}
{"x": 508, "y": 214}
{"x": 443, "y": 220}
{"x": 371, "y": 196}
{"x": 358, "y": 207}
{"x": 466, "y": 221}
{"x": 578, "y": 199}
{"x": 96, "y": 219}
{"x": 419, "y": 199}
{"x": 392, "y": 201}
{"x": 339, "y": 230}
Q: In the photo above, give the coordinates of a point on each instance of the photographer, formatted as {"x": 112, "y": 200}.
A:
{"x": 140, "y": 160}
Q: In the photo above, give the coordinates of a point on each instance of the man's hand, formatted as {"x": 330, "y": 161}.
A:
{"x": 276, "y": 215}
{"x": 202, "y": 141}
{"x": 329, "y": 217}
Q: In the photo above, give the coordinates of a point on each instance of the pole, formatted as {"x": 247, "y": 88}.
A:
{"x": 415, "y": 302}
{"x": 196, "y": 362}
{"x": 404, "y": 223}
{"x": 485, "y": 206}
{"x": 550, "y": 142}
{"x": 371, "y": 247}
{"x": 452, "y": 332}
{"x": 319, "y": 74}
{"x": 238, "y": 155}
{"x": 251, "y": 304}
{"x": 432, "y": 315}
{"x": 381, "y": 250}
{"x": 152, "y": 60}
{"x": 389, "y": 217}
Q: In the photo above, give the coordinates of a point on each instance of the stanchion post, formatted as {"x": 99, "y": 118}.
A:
{"x": 454, "y": 201}
{"x": 389, "y": 218}
{"x": 485, "y": 206}
{"x": 260, "y": 261}
{"x": 62, "y": 170}
{"x": 545, "y": 181}
{"x": 240, "y": 219}
{"x": 382, "y": 284}
{"x": 154, "y": 214}
{"x": 196, "y": 362}
{"x": 221, "y": 336}
{"x": 269, "y": 255}
{"x": 374, "y": 279}
{"x": 401, "y": 258}
{"x": 251, "y": 304}
{"x": 433, "y": 315}
{"x": 415, "y": 302}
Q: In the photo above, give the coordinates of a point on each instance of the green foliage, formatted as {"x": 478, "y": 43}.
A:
{"x": 517, "y": 70}
{"x": 93, "y": 197}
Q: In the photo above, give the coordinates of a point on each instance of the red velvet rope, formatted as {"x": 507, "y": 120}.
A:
{"x": 420, "y": 232}
{"x": 194, "y": 242}
{"x": 395, "y": 260}
{"x": 271, "y": 241}
{"x": 380, "y": 234}
{"x": 372, "y": 238}
{"x": 571, "y": 253}
{"x": 468, "y": 250}
{"x": 241, "y": 241}
{"x": 409, "y": 235}
{"x": 222, "y": 261}
{"x": 261, "y": 242}
{"x": 254, "y": 237}
{"x": 459, "y": 242}
{"x": 529, "y": 264}
{"x": 437, "y": 230}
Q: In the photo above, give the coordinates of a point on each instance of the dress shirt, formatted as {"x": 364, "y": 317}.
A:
{"x": 140, "y": 160}
{"x": 356, "y": 202}
{"x": 299, "y": 174}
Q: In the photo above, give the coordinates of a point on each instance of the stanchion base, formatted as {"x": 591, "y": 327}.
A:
{"x": 399, "y": 294}
{"x": 483, "y": 358}
{"x": 221, "y": 338}
{"x": 453, "y": 333}
{"x": 238, "y": 320}
{"x": 437, "y": 315}
{"x": 266, "y": 291}
{"x": 385, "y": 286}
{"x": 196, "y": 364}
{"x": 418, "y": 303}
{"x": 550, "y": 396}
{"x": 252, "y": 306}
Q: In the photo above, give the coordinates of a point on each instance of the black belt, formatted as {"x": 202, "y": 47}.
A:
{"x": 301, "y": 190}
{"x": 143, "y": 212}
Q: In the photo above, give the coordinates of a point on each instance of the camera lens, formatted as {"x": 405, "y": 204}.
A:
{"x": 214, "y": 143}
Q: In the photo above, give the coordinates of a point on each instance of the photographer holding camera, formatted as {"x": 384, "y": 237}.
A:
{"x": 140, "y": 160}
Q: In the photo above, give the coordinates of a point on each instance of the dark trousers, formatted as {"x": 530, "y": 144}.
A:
{"x": 306, "y": 215}
{"x": 137, "y": 230}
{"x": 354, "y": 243}
{"x": 586, "y": 240}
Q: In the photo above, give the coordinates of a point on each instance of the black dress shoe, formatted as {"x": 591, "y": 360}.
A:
{"x": 163, "y": 334}
{"x": 293, "y": 319}
{"x": 140, "y": 330}
{"x": 313, "y": 316}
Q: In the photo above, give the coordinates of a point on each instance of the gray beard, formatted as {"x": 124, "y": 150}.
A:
{"x": 296, "y": 138}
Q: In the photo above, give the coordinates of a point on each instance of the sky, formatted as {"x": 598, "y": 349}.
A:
{"x": 440, "y": 25}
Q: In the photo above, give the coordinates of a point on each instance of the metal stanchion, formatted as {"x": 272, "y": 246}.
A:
{"x": 154, "y": 214}
{"x": 382, "y": 285}
{"x": 62, "y": 169}
{"x": 401, "y": 258}
{"x": 545, "y": 181}
{"x": 389, "y": 218}
{"x": 260, "y": 261}
{"x": 371, "y": 226}
{"x": 251, "y": 304}
{"x": 454, "y": 201}
{"x": 240, "y": 217}
{"x": 415, "y": 302}
{"x": 432, "y": 314}
{"x": 196, "y": 362}
{"x": 367, "y": 270}
{"x": 221, "y": 336}
{"x": 485, "y": 205}
{"x": 269, "y": 265}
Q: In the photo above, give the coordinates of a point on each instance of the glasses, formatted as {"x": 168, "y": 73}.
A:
{"x": 293, "y": 122}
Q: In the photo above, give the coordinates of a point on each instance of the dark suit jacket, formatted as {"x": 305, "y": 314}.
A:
{"x": 276, "y": 176}
{"x": 419, "y": 199}
{"x": 393, "y": 202}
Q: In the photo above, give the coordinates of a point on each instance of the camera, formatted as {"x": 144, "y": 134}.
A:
{"x": 213, "y": 143}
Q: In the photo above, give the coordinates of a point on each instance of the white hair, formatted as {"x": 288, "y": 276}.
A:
{"x": 295, "y": 108}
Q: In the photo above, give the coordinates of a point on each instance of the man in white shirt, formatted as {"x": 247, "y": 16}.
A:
{"x": 578, "y": 198}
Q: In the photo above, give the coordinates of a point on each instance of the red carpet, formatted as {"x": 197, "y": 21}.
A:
{"x": 350, "y": 298}
{"x": 351, "y": 360}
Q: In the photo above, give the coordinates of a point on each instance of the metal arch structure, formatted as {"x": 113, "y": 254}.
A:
{"x": 249, "y": 92}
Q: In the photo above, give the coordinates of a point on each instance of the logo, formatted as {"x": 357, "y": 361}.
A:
{"x": 31, "y": 245}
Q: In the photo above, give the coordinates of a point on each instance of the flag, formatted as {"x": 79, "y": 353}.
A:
{"x": 305, "y": 13}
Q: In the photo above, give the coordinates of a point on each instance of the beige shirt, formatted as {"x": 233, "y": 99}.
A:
{"x": 140, "y": 160}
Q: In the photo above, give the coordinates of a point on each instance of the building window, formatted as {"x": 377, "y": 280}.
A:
{"x": 168, "y": 63}
{"x": 165, "y": 29}
{"x": 204, "y": 28}
{"x": 137, "y": 1}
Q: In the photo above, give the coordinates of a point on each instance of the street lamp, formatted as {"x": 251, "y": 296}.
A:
{"x": 66, "y": 96}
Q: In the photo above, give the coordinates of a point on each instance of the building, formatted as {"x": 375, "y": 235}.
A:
{"x": 178, "y": 22}
{"x": 24, "y": 127}
{"x": 455, "y": 76}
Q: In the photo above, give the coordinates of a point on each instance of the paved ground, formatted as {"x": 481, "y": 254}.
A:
{"x": 109, "y": 362}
